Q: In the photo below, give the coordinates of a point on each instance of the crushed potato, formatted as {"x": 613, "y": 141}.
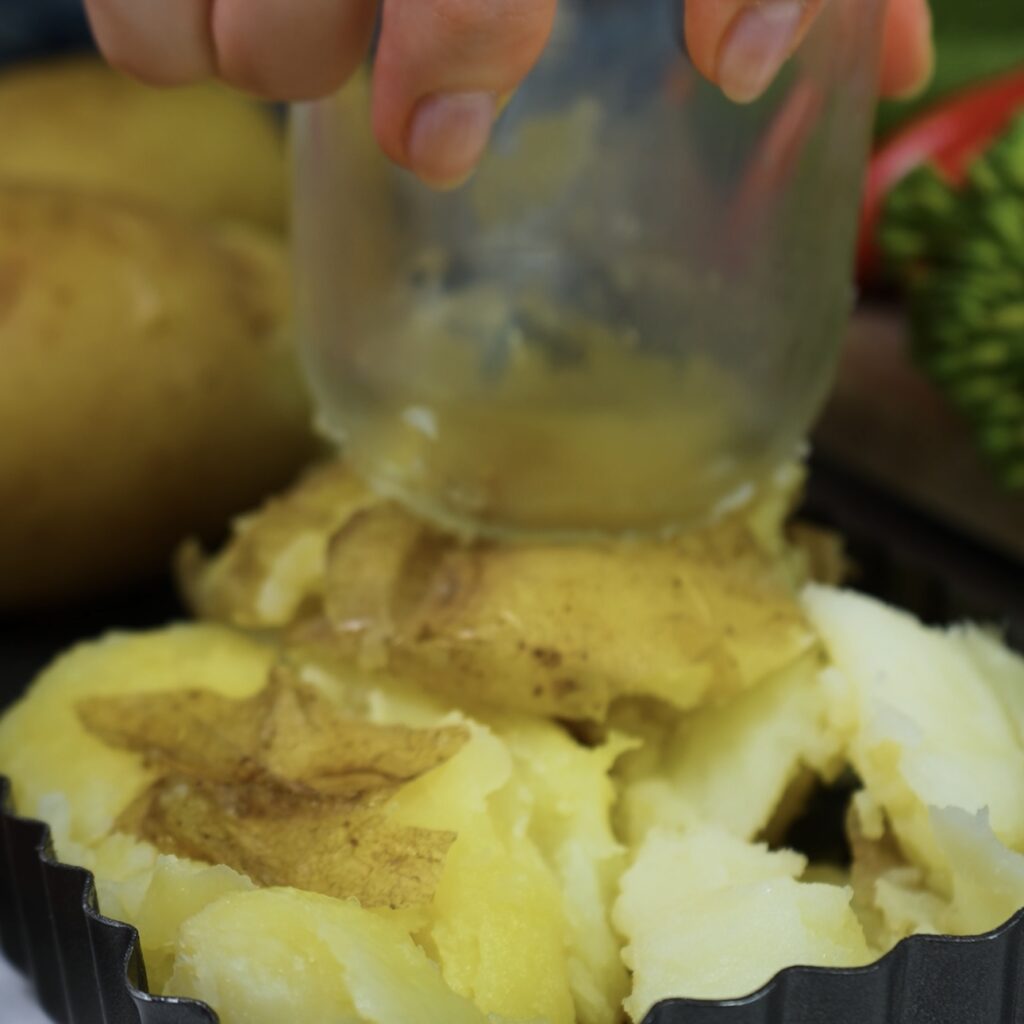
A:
{"x": 731, "y": 764}
{"x": 710, "y": 916}
{"x": 519, "y": 922}
{"x": 282, "y": 788}
{"x": 937, "y": 720}
{"x": 554, "y": 630}
{"x": 365, "y": 790}
{"x": 328, "y": 961}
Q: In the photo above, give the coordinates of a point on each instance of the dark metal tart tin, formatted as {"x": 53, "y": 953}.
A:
{"x": 87, "y": 969}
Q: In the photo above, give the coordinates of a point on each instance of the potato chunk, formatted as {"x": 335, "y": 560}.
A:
{"x": 731, "y": 764}
{"x": 45, "y": 749}
{"x": 274, "y": 567}
{"x": 551, "y": 629}
{"x": 936, "y": 720}
{"x": 555, "y": 630}
{"x": 709, "y": 916}
{"x": 515, "y": 910}
{"x": 987, "y": 878}
{"x": 281, "y": 955}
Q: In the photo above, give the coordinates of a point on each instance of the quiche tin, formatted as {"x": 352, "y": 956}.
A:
{"x": 87, "y": 969}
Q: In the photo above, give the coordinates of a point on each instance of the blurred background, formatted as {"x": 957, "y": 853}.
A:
{"x": 30, "y": 27}
{"x": 170, "y": 418}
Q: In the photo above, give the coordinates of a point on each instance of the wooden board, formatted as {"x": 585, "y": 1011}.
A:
{"x": 888, "y": 424}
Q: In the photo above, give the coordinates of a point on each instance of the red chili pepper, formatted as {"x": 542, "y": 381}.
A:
{"x": 949, "y": 136}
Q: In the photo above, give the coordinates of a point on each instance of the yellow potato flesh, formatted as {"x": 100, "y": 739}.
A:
{"x": 710, "y": 916}
{"x": 731, "y": 764}
{"x": 934, "y": 724}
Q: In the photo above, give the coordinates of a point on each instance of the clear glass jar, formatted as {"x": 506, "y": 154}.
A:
{"x": 627, "y": 317}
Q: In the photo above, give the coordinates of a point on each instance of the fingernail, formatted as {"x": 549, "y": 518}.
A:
{"x": 759, "y": 43}
{"x": 448, "y": 135}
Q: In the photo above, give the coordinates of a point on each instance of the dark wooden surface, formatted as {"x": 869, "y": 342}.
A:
{"x": 888, "y": 424}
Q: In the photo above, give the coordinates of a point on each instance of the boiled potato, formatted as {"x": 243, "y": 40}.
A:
{"x": 983, "y": 887}
{"x": 65, "y": 776}
{"x": 987, "y": 879}
{"x": 158, "y": 894}
{"x": 201, "y": 150}
{"x": 559, "y": 630}
{"x": 532, "y": 892}
{"x": 281, "y": 955}
{"x": 890, "y": 896}
{"x": 45, "y": 749}
{"x": 521, "y": 918}
{"x": 519, "y": 776}
{"x": 556, "y": 630}
{"x": 272, "y": 571}
{"x": 519, "y": 923}
{"x": 709, "y": 916}
{"x": 731, "y": 764}
{"x": 934, "y": 722}
{"x": 571, "y": 796}
{"x": 149, "y": 388}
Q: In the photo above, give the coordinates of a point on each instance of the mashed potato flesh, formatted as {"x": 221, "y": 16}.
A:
{"x": 608, "y": 861}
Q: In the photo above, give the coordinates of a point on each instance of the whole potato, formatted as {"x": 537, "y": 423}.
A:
{"x": 202, "y": 150}
{"x": 147, "y": 390}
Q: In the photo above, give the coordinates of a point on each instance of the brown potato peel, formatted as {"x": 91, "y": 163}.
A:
{"x": 554, "y": 630}
{"x": 282, "y": 788}
{"x": 557, "y": 630}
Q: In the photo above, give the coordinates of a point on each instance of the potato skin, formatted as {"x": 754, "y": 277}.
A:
{"x": 201, "y": 151}
{"x": 148, "y": 388}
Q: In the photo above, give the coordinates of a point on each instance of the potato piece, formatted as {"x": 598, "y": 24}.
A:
{"x": 570, "y": 801}
{"x": 1002, "y": 668}
{"x": 135, "y": 883}
{"x": 907, "y": 906}
{"x": 890, "y": 896}
{"x": 730, "y": 765}
{"x": 497, "y": 925}
{"x": 549, "y": 629}
{"x": 709, "y": 916}
{"x": 934, "y": 725}
{"x": 555, "y": 630}
{"x": 985, "y": 881}
{"x": 45, "y": 749}
{"x": 203, "y": 151}
{"x": 987, "y": 878}
{"x": 148, "y": 390}
{"x": 280, "y": 955}
{"x": 273, "y": 570}
{"x": 500, "y": 925}
{"x": 522, "y": 778}
{"x": 281, "y": 787}
{"x": 158, "y": 895}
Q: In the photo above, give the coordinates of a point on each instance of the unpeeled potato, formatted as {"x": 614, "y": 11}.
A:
{"x": 202, "y": 151}
{"x": 148, "y": 387}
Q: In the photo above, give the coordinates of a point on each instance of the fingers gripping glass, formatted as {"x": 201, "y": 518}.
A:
{"x": 630, "y": 314}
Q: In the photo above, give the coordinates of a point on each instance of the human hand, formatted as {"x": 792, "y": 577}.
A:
{"x": 443, "y": 65}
